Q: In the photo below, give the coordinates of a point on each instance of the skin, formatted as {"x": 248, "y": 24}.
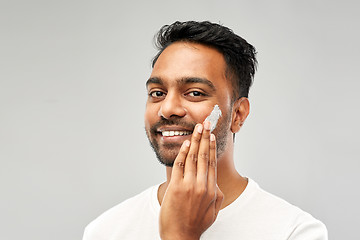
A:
{"x": 187, "y": 80}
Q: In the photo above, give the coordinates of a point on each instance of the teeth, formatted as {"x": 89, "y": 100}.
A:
{"x": 175, "y": 133}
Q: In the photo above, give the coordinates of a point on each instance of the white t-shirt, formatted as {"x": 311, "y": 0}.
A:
{"x": 254, "y": 215}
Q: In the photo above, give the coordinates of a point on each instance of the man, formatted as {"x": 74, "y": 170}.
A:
{"x": 200, "y": 65}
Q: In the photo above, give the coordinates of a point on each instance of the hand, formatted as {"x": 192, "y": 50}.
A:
{"x": 192, "y": 200}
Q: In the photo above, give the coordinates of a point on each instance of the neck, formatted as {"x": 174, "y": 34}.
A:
{"x": 230, "y": 182}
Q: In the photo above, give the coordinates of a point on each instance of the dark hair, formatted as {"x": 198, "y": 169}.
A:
{"x": 239, "y": 55}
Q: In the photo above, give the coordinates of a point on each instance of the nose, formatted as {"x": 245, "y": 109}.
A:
{"x": 172, "y": 106}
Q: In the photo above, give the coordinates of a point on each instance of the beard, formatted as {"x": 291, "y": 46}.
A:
{"x": 166, "y": 153}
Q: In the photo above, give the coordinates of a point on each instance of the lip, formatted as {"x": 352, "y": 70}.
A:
{"x": 173, "y": 128}
{"x": 174, "y": 139}
{"x": 179, "y": 139}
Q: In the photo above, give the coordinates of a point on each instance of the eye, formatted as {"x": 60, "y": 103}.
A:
{"x": 196, "y": 94}
{"x": 156, "y": 94}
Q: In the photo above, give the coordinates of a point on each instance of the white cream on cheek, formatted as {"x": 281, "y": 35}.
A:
{"x": 214, "y": 117}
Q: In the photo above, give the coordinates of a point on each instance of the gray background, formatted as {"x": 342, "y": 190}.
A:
{"x": 72, "y": 99}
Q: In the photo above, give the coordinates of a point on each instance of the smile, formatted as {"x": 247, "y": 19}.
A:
{"x": 174, "y": 133}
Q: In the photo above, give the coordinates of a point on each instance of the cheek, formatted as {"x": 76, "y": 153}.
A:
{"x": 200, "y": 112}
{"x": 150, "y": 116}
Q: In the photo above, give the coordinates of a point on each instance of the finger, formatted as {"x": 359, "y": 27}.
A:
{"x": 204, "y": 155}
{"x": 212, "y": 172}
{"x": 192, "y": 156}
{"x": 179, "y": 163}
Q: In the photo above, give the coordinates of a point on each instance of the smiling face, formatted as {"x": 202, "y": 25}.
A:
{"x": 187, "y": 80}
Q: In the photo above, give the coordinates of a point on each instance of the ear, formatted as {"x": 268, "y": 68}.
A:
{"x": 240, "y": 111}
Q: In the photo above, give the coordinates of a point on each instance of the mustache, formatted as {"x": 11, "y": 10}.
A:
{"x": 172, "y": 121}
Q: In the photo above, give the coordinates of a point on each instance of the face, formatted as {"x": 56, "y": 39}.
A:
{"x": 187, "y": 80}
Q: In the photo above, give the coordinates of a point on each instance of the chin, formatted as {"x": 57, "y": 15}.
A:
{"x": 167, "y": 158}
{"x": 165, "y": 161}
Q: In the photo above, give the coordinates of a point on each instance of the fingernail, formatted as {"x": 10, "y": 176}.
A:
{"x": 200, "y": 128}
{"x": 212, "y": 137}
{"x": 207, "y": 125}
{"x": 187, "y": 143}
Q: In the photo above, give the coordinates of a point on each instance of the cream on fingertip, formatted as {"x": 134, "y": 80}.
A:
{"x": 199, "y": 128}
{"x": 207, "y": 125}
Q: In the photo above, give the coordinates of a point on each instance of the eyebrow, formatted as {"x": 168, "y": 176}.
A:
{"x": 154, "y": 80}
{"x": 183, "y": 81}
{"x": 205, "y": 81}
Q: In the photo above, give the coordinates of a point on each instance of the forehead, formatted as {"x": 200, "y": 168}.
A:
{"x": 190, "y": 60}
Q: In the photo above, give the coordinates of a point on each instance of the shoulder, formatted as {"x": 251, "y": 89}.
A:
{"x": 294, "y": 222}
{"x": 120, "y": 216}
